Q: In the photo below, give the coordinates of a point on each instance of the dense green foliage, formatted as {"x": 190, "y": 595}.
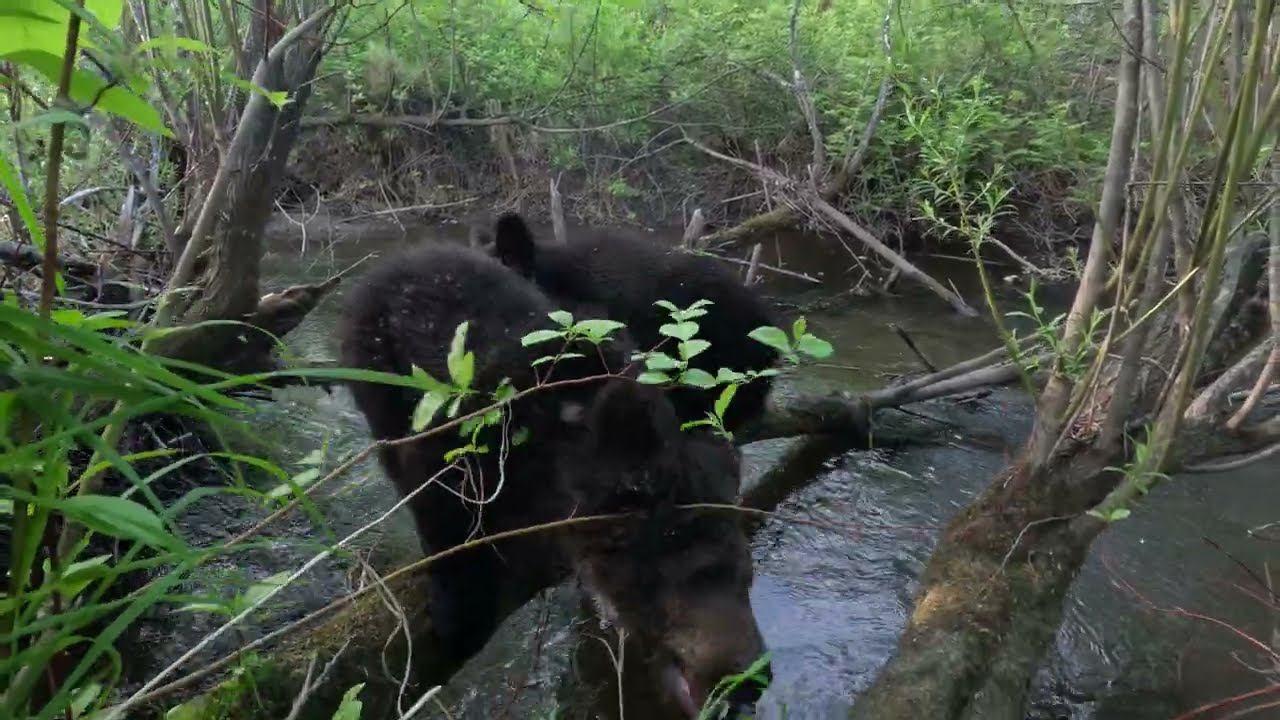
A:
{"x": 1002, "y": 91}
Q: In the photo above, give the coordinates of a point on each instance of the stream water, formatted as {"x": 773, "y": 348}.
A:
{"x": 830, "y": 603}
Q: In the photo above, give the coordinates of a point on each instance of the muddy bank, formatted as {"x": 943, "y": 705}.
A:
{"x": 457, "y": 173}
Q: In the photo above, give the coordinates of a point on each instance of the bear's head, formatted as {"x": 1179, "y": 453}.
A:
{"x": 675, "y": 578}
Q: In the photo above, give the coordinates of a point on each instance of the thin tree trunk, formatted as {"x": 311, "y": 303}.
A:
{"x": 557, "y": 214}
{"x": 225, "y": 247}
{"x": 1056, "y": 395}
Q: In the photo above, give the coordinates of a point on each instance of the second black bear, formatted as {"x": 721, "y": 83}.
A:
{"x": 678, "y": 579}
{"x": 627, "y": 276}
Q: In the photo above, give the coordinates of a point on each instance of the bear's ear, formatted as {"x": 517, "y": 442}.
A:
{"x": 632, "y": 422}
{"x": 513, "y": 243}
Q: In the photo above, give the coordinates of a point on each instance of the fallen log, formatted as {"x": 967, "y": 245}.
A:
{"x": 28, "y": 257}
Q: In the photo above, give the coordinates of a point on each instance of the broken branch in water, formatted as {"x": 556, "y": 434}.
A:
{"x": 911, "y": 344}
{"x": 407, "y": 208}
{"x": 762, "y": 266}
{"x": 808, "y": 196}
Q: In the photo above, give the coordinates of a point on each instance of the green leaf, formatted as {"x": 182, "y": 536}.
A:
{"x": 725, "y": 375}
{"x": 171, "y": 42}
{"x": 557, "y": 358}
{"x": 299, "y": 481}
{"x": 464, "y": 371}
{"x": 77, "y": 576}
{"x": 468, "y": 449}
{"x": 814, "y": 347}
{"x": 726, "y": 397}
{"x": 350, "y": 708}
{"x": 41, "y": 25}
{"x": 667, "y": 305}
{"x": 196, "y": 709}
{"x": 680, "y": 331}
{"x": 461, "y": 364}
{"x": 1113, "y": 516}
{"x": 53, "y": 117}
{"x": 693, "y": 348}
{"x": 698, "y": 378}
{"x": 83, "y": 698}
{"x": 653, "y": 378}
{"x": 693, "y": 311}
{"x": 798, "y": 327}
{"x": 520, "y": 437}
{"x": 540, "y": 336}
{"x": 264, "y": 587}
{"x": 315, "y": 457}
{"x": 278, "y": 98}
{"x": 119, "y": 517}
{"x": 597, "y": 328}
{"x": 427, "y": 408}
{"x": 505, "y": 392}
{"x": 428, "y": 383}
{"x": 87, "y": 87}
{"x": 453, "y": 406}
{"x": 458, "y": 345}
{"x": 661, "y": 361}
{"x": 771, "y": 336}
{"x": 18, "y": 195}
{"x": 561, "y": 318}
{"x": 220, "y": 608}
{"x": 98, "y": 321}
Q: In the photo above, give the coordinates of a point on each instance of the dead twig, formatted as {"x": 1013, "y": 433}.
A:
{"x": 763, "y": 266}
{"x": 310, "y": 684}
{"x": 911, "y": 344}
{"x": 408, "y": 208}
{"x": 697, "y": 225}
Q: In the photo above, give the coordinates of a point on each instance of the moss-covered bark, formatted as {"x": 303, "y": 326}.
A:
{"x": 991, "y": 599}
{"x": 265, "y": 687}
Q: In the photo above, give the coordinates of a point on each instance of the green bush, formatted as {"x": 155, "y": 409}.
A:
{"x": 1006, "y": 83}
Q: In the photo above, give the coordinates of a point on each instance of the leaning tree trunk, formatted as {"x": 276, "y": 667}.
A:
{"x": 1155, "y": 397}
{"x": 222, "y": 257}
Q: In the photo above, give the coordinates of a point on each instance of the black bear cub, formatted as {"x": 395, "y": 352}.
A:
{"x": 626, "y": 276}
{"x": 594, "y": 445}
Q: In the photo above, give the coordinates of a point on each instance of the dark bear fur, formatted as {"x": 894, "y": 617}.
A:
{"x": 627, "y": 276}
{"x": 598, "y": 447}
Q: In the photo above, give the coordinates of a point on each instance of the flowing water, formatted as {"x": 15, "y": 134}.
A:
{"x": 831, "y": 603}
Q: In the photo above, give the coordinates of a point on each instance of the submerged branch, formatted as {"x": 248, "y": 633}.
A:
{"x": 813, "y": 199}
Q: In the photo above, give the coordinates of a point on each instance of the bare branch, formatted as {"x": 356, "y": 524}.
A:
{"x": 812, "y": 198}
{"x": 557, "y": 213}
{"x": 762, "y": 266}
{"x": 854, "y": 159}
{"x": 1057, "y": 393}
{"x": 1234, "y": 463}
{"x": 1273, "y": 308}
{"x": 909, "y": 270}
{"x": 804, "y": 98}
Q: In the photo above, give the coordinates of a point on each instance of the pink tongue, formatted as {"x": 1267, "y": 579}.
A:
{"x": 678, "y": 686}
